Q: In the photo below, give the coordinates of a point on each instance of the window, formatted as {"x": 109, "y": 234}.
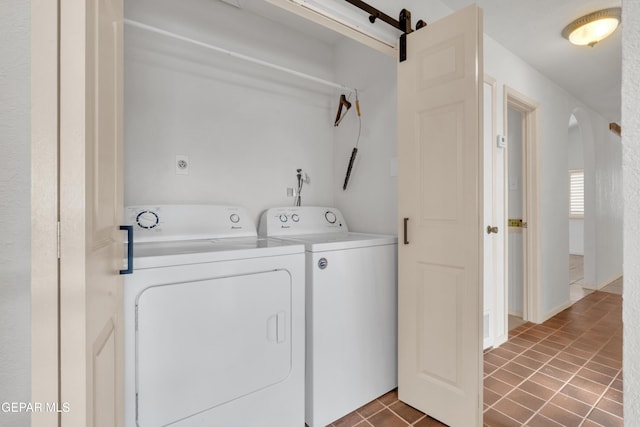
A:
{"x": 576, "y": 193}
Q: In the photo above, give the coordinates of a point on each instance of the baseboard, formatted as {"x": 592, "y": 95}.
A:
{"x": 608, "y": 282}
{"x": 549, "y": 314}
{"x": 516, "y": 314}
{"x": 500, "y": 340}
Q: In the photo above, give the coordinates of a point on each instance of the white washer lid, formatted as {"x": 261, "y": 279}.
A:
{"x": 170, "y": 253}
{"x": 337, "y": 241}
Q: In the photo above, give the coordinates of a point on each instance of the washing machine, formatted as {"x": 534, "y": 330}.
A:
{"x": 351, "y": 309}
{"x": 214, "y": 321}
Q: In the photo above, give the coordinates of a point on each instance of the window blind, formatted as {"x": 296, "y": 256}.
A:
{"x": 576, "y": 193}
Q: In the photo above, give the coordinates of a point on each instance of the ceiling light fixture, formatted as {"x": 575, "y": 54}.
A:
{"x": 592, "y": 28}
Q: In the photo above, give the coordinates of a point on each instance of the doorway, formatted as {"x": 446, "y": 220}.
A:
{"x": 516, "y": 219}
{"x": 522, "y": 263}
{"x": 576, "y": 169}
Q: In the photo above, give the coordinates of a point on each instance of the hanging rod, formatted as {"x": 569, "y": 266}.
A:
{"x": 237, "y": 55}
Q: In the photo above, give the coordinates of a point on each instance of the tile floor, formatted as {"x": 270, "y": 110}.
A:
{"x": 566, "y": 371}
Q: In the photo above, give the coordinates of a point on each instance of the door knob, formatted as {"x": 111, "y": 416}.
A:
{"x": 491, "y": 229}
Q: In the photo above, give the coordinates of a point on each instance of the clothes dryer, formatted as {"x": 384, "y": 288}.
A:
{"x": 351, "y": 308}
{"x": 214, "y": 321}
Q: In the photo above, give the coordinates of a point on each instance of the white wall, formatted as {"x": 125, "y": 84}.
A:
{"x": 576, "y": 161}
{"x": 609, "y": 208}
{"x": 15, "y": 221}
{"x": 631, "y": 160}
{"x": 370, "y": 201}
{"x": 246, "y": 129}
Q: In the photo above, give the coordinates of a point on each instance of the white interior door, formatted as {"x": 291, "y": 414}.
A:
{"x": 91, "y": 371}
{"x": 440, "y": 196}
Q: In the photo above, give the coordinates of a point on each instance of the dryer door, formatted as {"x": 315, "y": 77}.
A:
{"x": 202, "y": 344}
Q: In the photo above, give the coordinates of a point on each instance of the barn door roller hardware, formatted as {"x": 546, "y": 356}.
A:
{"x": 403, "y": 23}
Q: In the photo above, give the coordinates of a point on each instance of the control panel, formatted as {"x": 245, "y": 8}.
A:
{"x": 296, "y": 220}
{"x": 156, "y": 223}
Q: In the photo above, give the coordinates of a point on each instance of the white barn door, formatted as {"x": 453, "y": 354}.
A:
{"x": 440, "y": 209}
{"x": 91, "y": 198}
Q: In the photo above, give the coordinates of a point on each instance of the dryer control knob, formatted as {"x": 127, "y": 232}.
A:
{"x": 295, "y": 218}
{"x": 235, "y": 218}
{"x": 147, "y": 219}
{"x": 283, "y": 218}
{"x": 330, "y": 217}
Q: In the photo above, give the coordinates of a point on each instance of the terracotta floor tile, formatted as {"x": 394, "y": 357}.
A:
{"x": 504, "y": 353}
{"x": 556, "y": 373}
{"x": 571, "y": 404}
{"x": 518, "y": 369}
{"x": 560, "y": 415}
{"x": 547, "y": 381}
{"x": 605, "y": 419}
{"x": 535, "y": 355}
{"x": 513, "y": 347}
{"x": 552, "y": 344}
{"x": 542, "y": 421}
{"x": 541, "y": 348}
{"x": 496, "y": 385}
{"x": 616, "y": 384}
{"x": 537, "y": 390}
{"x": 611, "y": 407}
{"x": 607, "y": 361}
{"x": 577, "y": 350}
{"x": 493, "y": 418}
{"x": 348, "y": 420}
{"x": 515, "y": 411}
{"x": 527, "y": 336}
{"x": 370, "y": 408}
{"x": 495, "y": 359}
{"x": 595, "y": 376}
{"x": 565, "y": 366}
{"x": 488, "y": 368}
{"x": 603, "y": 369}
{"x": 507, "y": 377}
{"x": 588, "y": 385}
{"x": 613, "y": 394}
{"x": 389, "y": 398}
{"x": 406, "y": 412}
{"x": 580, "y": 394}
{"x": 429, "y": 422}
{"x": 526, "y": 399}
{"x": 528, "y": 362}
{"x": 520, "y": 342}
{"x": 386, "y": 418}
{"x": 490, "y": 397}
{"x": 572, "y": 358}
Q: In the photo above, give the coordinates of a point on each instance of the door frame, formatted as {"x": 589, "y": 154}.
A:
{"x": 531, "y": 150}
{"x": 496, "y": 334}
{"x": 45, "y": 283}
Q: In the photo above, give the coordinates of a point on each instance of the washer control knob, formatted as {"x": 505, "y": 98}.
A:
{"x": 283, "y": 218}
{"x": 147, "y": 219}
{"x": 295, "y": 218}
{"x": 235, "y": 218}
{"x": 330, "y": 217}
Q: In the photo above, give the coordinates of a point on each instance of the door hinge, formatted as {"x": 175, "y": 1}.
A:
{"x": 58, "y": 239}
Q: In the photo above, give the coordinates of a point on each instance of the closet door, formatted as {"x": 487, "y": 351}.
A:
{"x": 91, "y": 198}
{"x": 440, "y": 212}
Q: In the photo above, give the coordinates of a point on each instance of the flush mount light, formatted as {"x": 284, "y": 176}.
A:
{"x": 590, "y": 29}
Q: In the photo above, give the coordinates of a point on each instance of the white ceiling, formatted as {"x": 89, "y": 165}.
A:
{"x": 531, "y": 29}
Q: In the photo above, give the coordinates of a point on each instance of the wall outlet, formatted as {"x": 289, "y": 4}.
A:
{"x": 182, "y": 165}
